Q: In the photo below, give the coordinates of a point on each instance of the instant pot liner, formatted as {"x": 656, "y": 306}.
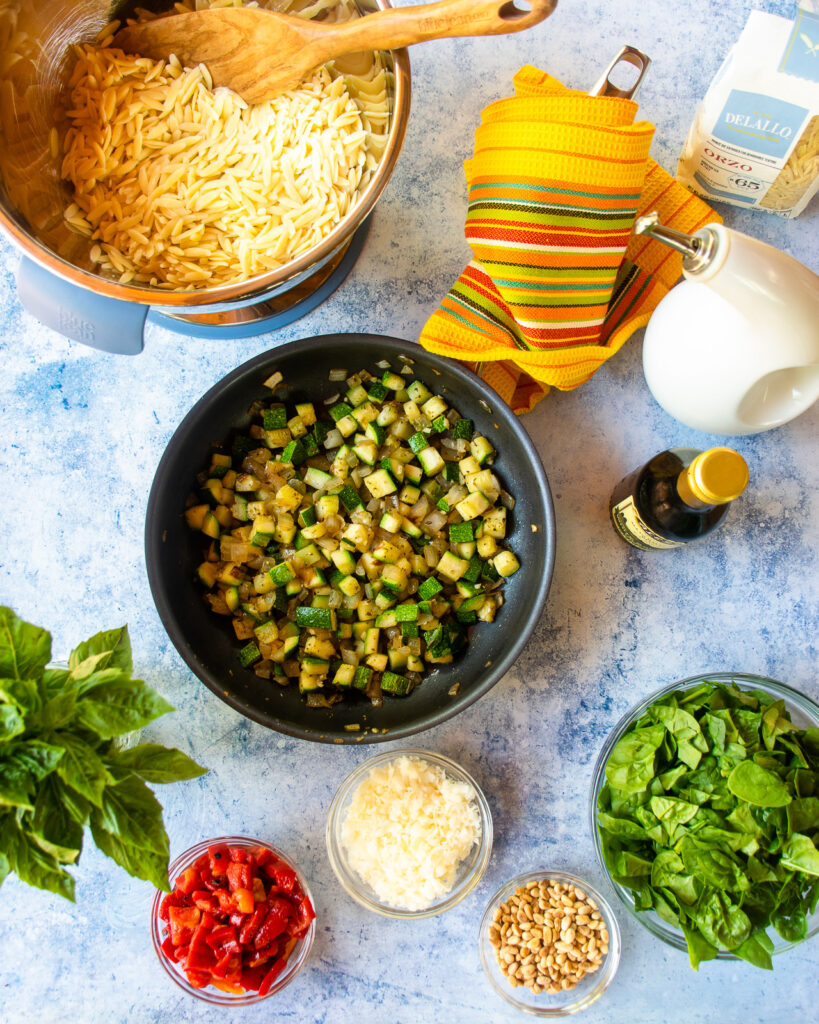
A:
{"x": 57, "y": 281}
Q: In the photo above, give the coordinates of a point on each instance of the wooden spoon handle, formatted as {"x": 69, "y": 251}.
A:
{"x": 389, "y": 29}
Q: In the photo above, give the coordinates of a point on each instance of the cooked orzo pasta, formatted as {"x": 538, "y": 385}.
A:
{"x": 181, "y": 186}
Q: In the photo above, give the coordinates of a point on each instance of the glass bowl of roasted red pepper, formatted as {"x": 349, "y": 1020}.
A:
{"x": 238, "y": 924}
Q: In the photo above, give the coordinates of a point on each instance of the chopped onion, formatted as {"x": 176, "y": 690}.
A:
{"x": 334, "y": 599}
{"x": 435, "y": 521}
{"x": 383, "y": 364}
{"x": 332, "y": 399}
{"x": 337, "y": 375}
{"x": 507, "y": 500}
{"x": 419, "y": 509}
{"x": 334, "y": 439}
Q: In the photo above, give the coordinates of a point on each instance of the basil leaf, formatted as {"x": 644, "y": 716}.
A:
{"x": 140, "y": 863}
{"x": 112, "y": 709}
{"x": 55, "y": 681}
{"x": 131, "y": 812}
{"x": 53, "y": 827}
{"x": 76, "y": 806}
{"x": 33, "y": 865}
{"x": 5, "y": 867}
{"x": 758, "y": 786}
{"x": 110, "y": 649}
{"x": 23, "y": 693}
{"x": 22, "y": 766}
{"x": 81, "y": 767}
{"x": 25, "y": 650}
{"x": 11, "y": 723}
{"x": 55, "y": 713}
{"x": 158, "y": 764}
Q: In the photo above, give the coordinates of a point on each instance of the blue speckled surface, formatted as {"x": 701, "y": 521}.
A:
{"x": 82, "y": 435}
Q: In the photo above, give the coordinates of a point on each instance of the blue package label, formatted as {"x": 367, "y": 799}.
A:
{"x": 801, "y": 56}
{"x": 760, "y": 124}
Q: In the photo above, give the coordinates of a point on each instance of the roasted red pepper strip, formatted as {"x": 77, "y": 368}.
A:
{"x": 251, "y": 926}
{"x": 188, "y": 881}
{"x": 218, "y": 859}
{"x": 280, "y": 912}
{"x": 239, "y": 876}
{"x": 271, "y": 976}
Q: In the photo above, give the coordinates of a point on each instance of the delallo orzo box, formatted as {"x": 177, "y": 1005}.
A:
{"x": 755, "y": 138}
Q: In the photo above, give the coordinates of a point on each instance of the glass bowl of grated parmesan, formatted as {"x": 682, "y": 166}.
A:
{"x": 409, "y": 834}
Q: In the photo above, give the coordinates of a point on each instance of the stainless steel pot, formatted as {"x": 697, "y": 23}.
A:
{"x": 57, "y": 281}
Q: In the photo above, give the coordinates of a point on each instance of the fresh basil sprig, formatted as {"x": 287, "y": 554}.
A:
{"x": 710, "y": 816}
{"x": 62, "y": 767}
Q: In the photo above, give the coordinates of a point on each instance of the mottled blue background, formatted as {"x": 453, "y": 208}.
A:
{"x": 83, "y": 433}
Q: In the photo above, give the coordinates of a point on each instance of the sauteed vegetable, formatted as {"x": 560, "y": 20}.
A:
{"x": 355, "y": 543}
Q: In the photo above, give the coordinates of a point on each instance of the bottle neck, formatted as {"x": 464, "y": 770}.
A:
{"x": 687, "y": 496}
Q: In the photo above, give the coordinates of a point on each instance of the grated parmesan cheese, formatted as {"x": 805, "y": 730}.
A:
{"x": 408, "y": 827}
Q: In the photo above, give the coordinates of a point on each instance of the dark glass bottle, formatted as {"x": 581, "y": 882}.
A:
{"x": 680, "y": 495}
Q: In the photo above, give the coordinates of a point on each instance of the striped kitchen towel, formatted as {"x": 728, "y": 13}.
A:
{"x": 558, "y": 282}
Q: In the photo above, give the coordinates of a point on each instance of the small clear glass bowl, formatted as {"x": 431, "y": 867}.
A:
{"x": 469, "y": 870}
{"x": 544, "y": 1004}
{"x": 804, "y": 713}
{"x": 209, "y": 994}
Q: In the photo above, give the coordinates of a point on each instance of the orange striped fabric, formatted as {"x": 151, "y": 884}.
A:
{"x": 558, "y": 283}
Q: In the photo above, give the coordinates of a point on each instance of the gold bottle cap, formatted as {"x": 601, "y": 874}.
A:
{"x": 717, "y": 476}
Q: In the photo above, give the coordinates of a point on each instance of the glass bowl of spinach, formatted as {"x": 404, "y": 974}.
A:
{"x": 705, "y": 814}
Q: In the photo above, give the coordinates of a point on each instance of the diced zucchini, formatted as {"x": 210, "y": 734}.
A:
{"x": 349, "y": 498}
{"x": 380, "y": 483}
{"x": 366, "y": 451}
{"x": 395, "y": 684}
{"x": 281, "y": 574}
{"x": 294, "y": 453}
{"x": 473, "y": 505}
{"x": 392, "y": 381}
{"x": 317, "y": 478}
{"x": 195, "y": 516}
{"x": 362, "y": 677}
{"x": 429, "y": 588}
{"x": 494, "y": 523}
{"x": 318, "y": 618}
{"x": 297, "y": 427}
{"x": 207, "y": 573}
{"x": 460, "y": 533}
{"x": 430, "y": 459}
{"x": 261, "y": 534}
{"x": 419, "y": 392}
{"x": 463, "y": 429}
{"x": 248, "y": 654}
{"x": 307, "y": 413}
{"x": 345, "y": 674}
{"x": 506, "y": 564}
{"x": 274, "y": 418}
{"x": 394, "y": 578}
{"x": 451, "y": 566}
{"x": 307, "y": 516}
{"x": 391, "y": 522}
{"x": 343, "y": 561}
{"x": 481, "y": 449}
{"x": 433, "y": 407}
{"x": 409, "y": 494}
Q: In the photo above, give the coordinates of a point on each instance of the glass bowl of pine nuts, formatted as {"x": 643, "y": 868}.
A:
{"x": 549, "y": 943}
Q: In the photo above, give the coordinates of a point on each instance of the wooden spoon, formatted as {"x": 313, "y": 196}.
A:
{"x": 260, "y": 53}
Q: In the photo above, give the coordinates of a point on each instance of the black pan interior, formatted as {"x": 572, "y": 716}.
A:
{"x": 207, "y": 642}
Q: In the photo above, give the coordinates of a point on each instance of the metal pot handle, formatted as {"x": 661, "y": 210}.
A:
{"x": 110, "y": 325}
